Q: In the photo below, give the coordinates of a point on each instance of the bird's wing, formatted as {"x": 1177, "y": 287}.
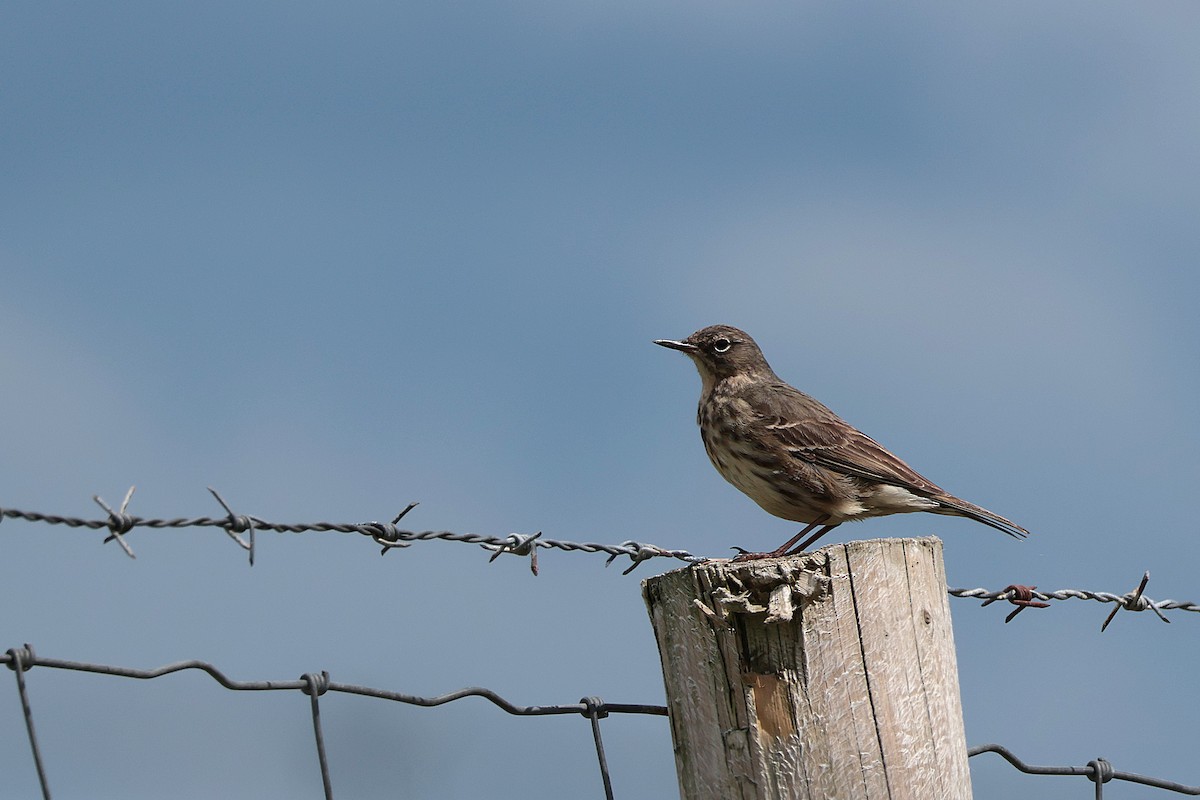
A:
{"x": 810, "y": 431}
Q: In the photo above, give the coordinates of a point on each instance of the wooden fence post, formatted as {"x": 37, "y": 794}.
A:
{"x": 829, "y": 674}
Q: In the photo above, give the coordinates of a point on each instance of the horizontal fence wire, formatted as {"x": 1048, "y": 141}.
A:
{"x": 315, "y": 685}
{"x": 241, "y": 529}
{"x": 1098, "y": 771}
{"x": 386, "y": 534}
{"x": 1028, "y": 597}
{"x": 22, "y": 659}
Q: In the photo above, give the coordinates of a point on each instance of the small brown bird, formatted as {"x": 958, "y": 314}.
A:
{"x": 795, "y": 457}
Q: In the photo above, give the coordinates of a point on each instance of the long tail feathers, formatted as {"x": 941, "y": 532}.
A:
{"x": 961, "y": 508}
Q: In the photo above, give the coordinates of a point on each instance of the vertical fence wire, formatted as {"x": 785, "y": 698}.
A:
{"x": 21, "y": 659}
{"x": 317, "y": 685}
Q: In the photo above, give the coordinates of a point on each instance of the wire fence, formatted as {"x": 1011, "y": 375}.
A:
{"x": 315, "y": 685}
{"x": 242, "y": 530}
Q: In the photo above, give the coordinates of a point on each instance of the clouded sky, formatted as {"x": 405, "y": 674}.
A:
{"x": 333, "y": 259}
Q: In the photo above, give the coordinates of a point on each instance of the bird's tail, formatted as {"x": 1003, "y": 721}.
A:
{"x": 951, "y": 505}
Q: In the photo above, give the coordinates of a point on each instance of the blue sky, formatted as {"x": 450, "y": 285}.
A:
{"x": 332, "y": 259}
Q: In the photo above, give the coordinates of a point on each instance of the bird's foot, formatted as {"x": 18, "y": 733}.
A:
{"x": 746, "y": 555}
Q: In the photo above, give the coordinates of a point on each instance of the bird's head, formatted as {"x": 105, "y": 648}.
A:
{"x": 720, "y": 352}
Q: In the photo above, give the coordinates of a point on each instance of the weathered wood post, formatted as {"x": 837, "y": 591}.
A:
{"x": 829, "y": 674}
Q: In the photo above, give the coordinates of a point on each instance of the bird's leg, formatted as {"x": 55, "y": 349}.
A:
{"x": 782, "y": 550}
{"x": 810, "y": 540}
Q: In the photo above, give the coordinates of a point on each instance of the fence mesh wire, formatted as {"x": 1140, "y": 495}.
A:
{"x": 317, "y": 685}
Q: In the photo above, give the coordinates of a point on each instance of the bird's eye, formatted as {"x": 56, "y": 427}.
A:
{"x": 721, "y": 345}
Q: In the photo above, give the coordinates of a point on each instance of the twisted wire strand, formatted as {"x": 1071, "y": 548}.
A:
{"x": 389, "y": 536}
{"x": 1078, "y": 594}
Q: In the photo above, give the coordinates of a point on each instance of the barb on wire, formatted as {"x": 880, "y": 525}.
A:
{"x": 236, "y": 524}
{"x": 387, "y": 535}
{"x": 1098, "y": 771}
{"x": 639, "y": 552}
{"x": 518, "y": 545}
{"x": 1134, "y": 601}
{"x": 316, "y": 685}
{"x": 119, "y": 522}
{"x": 1021, "y": 597}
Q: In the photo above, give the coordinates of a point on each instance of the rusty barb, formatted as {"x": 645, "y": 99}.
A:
{"x": 1021, "y": 597}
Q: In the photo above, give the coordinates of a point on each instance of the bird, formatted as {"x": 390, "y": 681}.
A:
{"x": 795, "y": 457}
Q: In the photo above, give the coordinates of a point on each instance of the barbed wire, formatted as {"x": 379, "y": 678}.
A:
{"x": 386, "y": 534}
{"x": 316, "y": 684}
{"x": 1028, "y": 597}
{"x": 389, "y": 536}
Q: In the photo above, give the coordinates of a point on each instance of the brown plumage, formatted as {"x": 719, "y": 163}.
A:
{"x": 793, "y": 456}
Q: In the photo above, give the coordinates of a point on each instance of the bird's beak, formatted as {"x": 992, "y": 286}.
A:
{"x": 686, "y": 347}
